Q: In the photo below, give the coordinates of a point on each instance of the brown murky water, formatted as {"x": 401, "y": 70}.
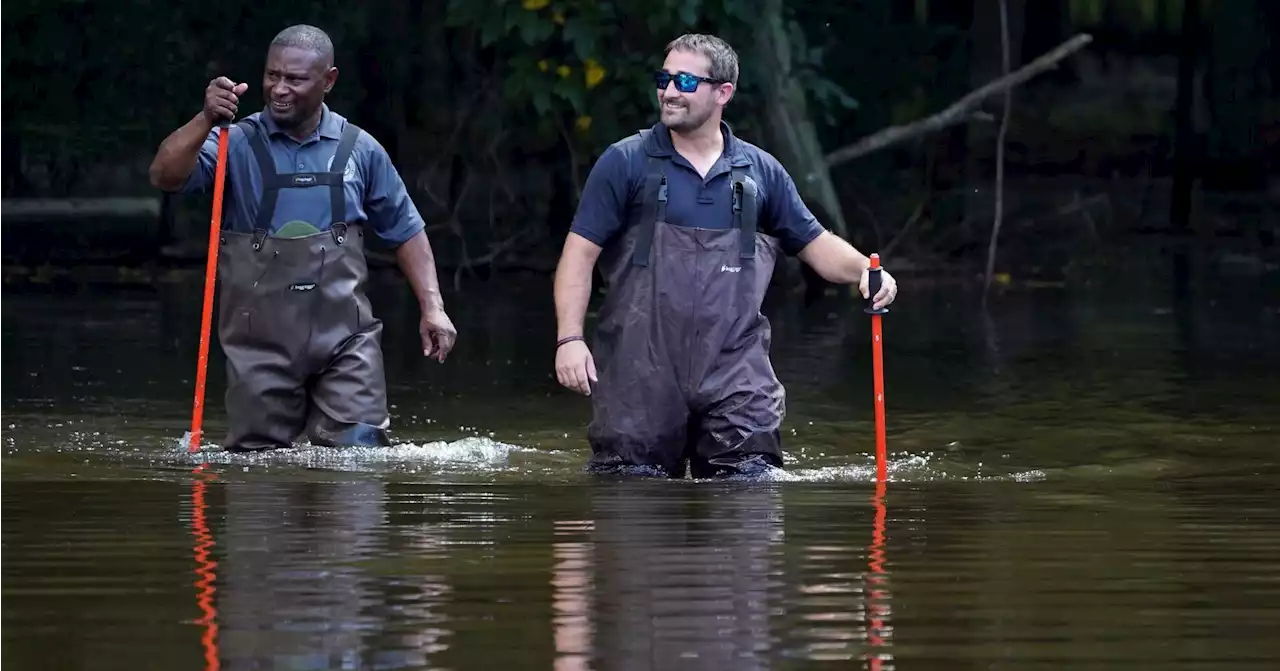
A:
{"x": 1077, "y": 480}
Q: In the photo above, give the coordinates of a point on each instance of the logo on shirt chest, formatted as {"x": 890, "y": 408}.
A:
{"x": 348, "y": 171}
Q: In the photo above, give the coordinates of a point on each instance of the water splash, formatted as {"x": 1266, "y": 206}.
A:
{"x": 465, "y": 454}
{"x": 486, "y": 457}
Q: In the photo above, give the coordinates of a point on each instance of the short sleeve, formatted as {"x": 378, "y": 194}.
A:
{"x": 788, "y": 218}
{"x": 201, "y": 178}
{"x": 602, "y": 210}
{"x": 391, "y": 212}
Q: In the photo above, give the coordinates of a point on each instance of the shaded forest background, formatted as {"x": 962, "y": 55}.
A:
{"x": 1168, "y": 121}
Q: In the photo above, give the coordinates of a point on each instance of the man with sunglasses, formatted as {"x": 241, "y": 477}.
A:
{"x": 686, "y": 221}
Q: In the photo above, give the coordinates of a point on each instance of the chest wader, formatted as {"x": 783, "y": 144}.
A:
{"x": 682, "y": 349}
{"x": 303, "y": 349}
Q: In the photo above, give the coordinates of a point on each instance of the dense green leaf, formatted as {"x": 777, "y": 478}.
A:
{"x": 572, "y": 92}
{"x": 536, "y": 29}
{"x": 541, "y": 100}
{"x": 581, "y": 36}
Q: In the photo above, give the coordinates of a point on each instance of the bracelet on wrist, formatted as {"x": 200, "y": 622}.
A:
{"x": 569, "y": 339}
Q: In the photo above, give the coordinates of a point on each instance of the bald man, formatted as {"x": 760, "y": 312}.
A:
{"x": 303, "y": 184}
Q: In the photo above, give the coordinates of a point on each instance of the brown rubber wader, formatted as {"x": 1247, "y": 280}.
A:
{"x": 303, "y": 348}
{"x": 682, "y": 349}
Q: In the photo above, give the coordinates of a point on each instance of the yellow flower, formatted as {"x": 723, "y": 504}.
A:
{"x": 534, "y": 5}
{"x": 563, "y": 71}
{"x": 594, "y": 73}
{"x": 582, "y": 123}
{"x": 544, "y": 65}
{"x": 558, "y": 17}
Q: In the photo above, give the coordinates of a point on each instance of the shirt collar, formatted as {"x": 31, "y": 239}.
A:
{"x": 329, "y": 128}
{"x": 660, "y": 145}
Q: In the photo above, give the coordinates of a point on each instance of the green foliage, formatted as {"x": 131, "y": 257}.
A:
{"x": 589, "y": 62}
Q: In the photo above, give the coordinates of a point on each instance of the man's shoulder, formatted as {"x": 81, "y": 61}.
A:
{"x": 623, "y": 159}
{"x": 251, "y": 123}
{"x": 366, "y": 146}
{"x": 763, "y": 161}
{"x": 630, "y": 147}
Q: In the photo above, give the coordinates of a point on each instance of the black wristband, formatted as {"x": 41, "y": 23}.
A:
{"x": 568, "y": 339}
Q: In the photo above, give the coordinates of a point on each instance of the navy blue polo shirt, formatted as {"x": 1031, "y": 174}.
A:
{"x": 376, "y": 194}
{"x": 611, "y": 194}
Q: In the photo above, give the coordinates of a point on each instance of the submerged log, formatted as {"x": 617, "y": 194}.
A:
{"x": 74, "y": 208}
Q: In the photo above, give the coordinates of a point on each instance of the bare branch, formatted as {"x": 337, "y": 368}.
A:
{"x": 960, "y": 111}
{"x": 1000, "y": 138}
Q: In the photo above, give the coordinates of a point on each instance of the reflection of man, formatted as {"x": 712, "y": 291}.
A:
{"x": 686, "y": 221}
{"x": 683, "y": 585}
{"x": 303, "y": 348}
{"x": 290, "y": 591}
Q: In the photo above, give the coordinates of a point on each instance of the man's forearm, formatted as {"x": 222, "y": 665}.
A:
{"x": 834, "y": 259}
{"x": 418, "y": 264}
{"x": 176, "y": 157}
{"x": 854, "y": 264}
{"x": 572, "y": 294}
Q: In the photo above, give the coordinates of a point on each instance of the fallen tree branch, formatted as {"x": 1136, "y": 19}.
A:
{"x": 924, "y": 203}
{"x": 1000, "y": 140}
{"x": 495, "y": 251}
{"x": 911, "y": 221}
{"x": 959, "y": 111}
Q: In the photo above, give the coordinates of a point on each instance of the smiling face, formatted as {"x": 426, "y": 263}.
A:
{"x": 294, "y": 84}
{"x": 687, "y": 112}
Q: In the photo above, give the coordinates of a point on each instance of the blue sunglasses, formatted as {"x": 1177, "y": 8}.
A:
{"x": 685, "y": 82}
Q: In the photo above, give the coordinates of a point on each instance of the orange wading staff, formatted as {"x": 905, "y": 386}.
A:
{"x": 878, "y": 631}
{"x": 877, "y": 362}
{"x": 210, "y": 278}
{"x": 203, "y": 535}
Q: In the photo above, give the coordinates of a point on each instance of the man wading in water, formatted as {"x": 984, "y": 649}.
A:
{"x": 303, "y": 348}
{"x": 686, "y": 221}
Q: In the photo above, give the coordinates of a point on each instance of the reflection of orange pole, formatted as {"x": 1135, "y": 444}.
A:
{"x": 204, "y": 569}
{"x": 877, "y": 362}
{"x": 210, "y": 276}
{"x": 877, "y": 594}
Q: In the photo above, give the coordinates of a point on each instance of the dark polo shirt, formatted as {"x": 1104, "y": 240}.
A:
{"x": 612, "y": 189}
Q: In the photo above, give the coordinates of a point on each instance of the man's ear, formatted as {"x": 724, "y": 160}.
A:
{"x": 330, "y": 78}
{"x": 724, "y": 93}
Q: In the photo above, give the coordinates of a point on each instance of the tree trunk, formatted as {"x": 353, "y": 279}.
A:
{"x": 791, "y": 135}
{"x": 1180, "y": 204}
{"x": 1238, "y": 85}
{"x": 986, "y": 64}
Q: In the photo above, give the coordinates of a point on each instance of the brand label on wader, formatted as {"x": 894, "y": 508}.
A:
{"x": 304, "y": 180}
{"x": 302, "y": 286}
{"x": 730, "y": 269}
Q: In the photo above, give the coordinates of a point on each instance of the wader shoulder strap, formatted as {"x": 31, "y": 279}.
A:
{"x": 271, "y": 180}
{"x": 745, "y": 211}
{"x": 337, "y": 193}
{"x": 653, "y": 210}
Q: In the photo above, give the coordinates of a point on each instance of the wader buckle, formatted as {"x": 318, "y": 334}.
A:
{"x": 259, "y": 236}
{"x": 339, "y": 231}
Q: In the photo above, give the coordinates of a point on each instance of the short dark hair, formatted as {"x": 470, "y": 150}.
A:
{"x": 724, "y": 60}
{"x": 303, "y": 36}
